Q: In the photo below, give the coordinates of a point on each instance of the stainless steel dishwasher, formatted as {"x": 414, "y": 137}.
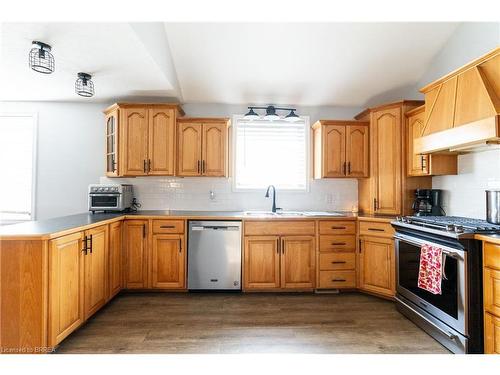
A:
{"x": 214, "y": 255}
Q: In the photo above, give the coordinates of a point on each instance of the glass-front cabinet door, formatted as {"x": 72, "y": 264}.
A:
{"x": 112, "y": 143}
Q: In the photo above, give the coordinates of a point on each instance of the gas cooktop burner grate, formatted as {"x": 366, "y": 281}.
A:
{"x": 456, "y": 221}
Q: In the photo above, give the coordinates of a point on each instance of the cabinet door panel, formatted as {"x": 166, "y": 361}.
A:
{"x": 111, "y": 120}
{"x": 377, "y": 267}
{"x": 66, "y": 283}
{"x": 491, "y": 280}
{"x": 418, "y": 165}
{"x": 334, "y": 151}
{"x": 491, "y": 334}
{"x": 261, "y": 262}
{"x": 189, "y": 149}
{"x": 168, "y": 261}
{"x": 297, "y": 262}
{"x": 214, "y": 150}
{"x": 135, "y": 132}
{"x": 95, "y": 270}
{"x": 387, "y": 163}
{"x": 357, "y": 151}
{"x": 161, "y": 141}
{"x": 135, "y": 243}
{"x": 115, "y": 258}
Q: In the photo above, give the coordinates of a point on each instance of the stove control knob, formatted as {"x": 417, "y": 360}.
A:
{"x": 459, "y": 229}
{"x": 399, "y": 218}
{"x": 450, "y": 227}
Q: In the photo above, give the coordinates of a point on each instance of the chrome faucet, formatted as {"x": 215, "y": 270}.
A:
{"x": 274, "y": 196}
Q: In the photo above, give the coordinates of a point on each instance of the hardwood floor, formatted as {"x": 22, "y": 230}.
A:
{"x": 249, "y": 323}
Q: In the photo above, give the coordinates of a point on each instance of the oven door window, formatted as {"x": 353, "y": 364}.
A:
{"x": 104, "y": 201}
{"x": 409, "y": 261}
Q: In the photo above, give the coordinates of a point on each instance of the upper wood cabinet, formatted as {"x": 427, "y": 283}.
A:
{"x": 135, "y": 243}
{"x": 388, "y": 190}
{"x": 340, "y": 149}
{"x": 140, "y": 139}
{"x": 462, "y": 109}
{"x": 425, "y": 165}
{"x": 66, "y": 285}
{"x": 202, "y": 147}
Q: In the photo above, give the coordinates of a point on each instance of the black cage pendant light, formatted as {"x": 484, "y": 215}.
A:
{"x": 40, "y": 59}
{"x": 84, "y": 86}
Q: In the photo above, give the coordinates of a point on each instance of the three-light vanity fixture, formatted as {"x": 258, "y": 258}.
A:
{"x": 41, "y": 60}
{"x": 271, "y": 114}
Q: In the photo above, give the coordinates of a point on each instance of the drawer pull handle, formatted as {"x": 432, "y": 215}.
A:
{"x": 376, "y": 229}
{"x": 167, "y": 226}
{"x": 338, "y": 243}
{"x": 338, "y": 262}
{"x": 342, "y": 280}
{"x": 339, "y": 228}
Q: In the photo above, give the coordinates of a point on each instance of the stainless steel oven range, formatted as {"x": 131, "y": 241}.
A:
{"x": 454, "y": 317}
{"x": 110, "y": 197}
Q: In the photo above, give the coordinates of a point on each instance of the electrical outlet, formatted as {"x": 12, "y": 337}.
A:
{"x": 329, "y": 198}
{"x": 211, "y": 195}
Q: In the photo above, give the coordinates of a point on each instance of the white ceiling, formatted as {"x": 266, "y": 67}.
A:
{"x": 343, "y": 64}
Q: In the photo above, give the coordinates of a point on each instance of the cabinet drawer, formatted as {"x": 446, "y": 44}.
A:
{"x": 376, "y": 228}
{"x": 168, "y": 226}
{"x": 492, "y": 255}
{"x": 337, "y": 279}
{"x": 337, "y": 243}
{"x": 491, "y": 289}
{"x": 265, "y": 228}
{"x": 337, "y": 261}
{"x": 337, "y": 227}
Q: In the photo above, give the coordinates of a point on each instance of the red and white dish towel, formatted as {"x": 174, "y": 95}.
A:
{"x": 431, "y": 268}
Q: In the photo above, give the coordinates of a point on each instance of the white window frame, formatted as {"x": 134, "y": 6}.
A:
{"x": 235, "y": 189}
{"x": 34, "y": 117}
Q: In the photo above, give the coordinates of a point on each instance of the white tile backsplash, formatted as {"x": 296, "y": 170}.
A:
{"x": 464, "y": 193}
{"x": 193, "y": 193}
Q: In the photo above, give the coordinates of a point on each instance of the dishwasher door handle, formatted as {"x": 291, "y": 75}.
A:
{"x": 214, "y": 227}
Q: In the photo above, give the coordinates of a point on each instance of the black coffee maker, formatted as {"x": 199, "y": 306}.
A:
{"x": 428, "y": 203}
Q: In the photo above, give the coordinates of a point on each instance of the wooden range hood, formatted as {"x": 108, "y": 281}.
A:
{"x": 462, "y": 109}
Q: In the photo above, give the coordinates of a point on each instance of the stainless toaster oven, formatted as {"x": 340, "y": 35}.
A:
{"x": 110, "y": 197}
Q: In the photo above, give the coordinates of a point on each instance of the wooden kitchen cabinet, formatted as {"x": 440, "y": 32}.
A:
{"x": 202, "y": 147}
{"x": 389, "y": 190}
{"x": 96, "y": 268}
{"x": 425, "y": 165}
{"x": 491, "y": 296}
{"x": 340, "y": 149}
{"x": 115, "y": 259}
{"x": 376, "y": 257}
{"x": 279, "y": 261}
{"x": 168, "y": 259}
{"x": 66, "y": 285}
{"x": 491, "y": 334}
{"x": 261, "y": 262}
{"x": 298, "y": 262}
{"x": 135, "y": 243}
{"x": 140, "y": 139}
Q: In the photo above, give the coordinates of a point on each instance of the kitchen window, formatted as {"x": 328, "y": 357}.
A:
{"x": 271, "y": 153}
{"x": 17, "y": 166}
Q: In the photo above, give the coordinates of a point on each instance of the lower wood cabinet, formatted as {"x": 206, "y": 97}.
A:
{"x": 66, "y": 286}
{"x": 491, "y": 334}
{"x": 377, "y": 266}
{"x": 136, "y": 254}
{"x": 95, "y": 264}
{"x": 279, "y": 262}
{"x": 168, "y": 260}
{"x": 115, "y": 279}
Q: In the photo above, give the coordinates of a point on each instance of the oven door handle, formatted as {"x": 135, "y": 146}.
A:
{"x": 444, "y": 249}
{"x": 450, "y": 335}
{"x": 104, "y": 195}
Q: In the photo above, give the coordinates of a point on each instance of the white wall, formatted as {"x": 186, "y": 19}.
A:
{"x": 464, "y": 193}
{"x": 70, "y": 153}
